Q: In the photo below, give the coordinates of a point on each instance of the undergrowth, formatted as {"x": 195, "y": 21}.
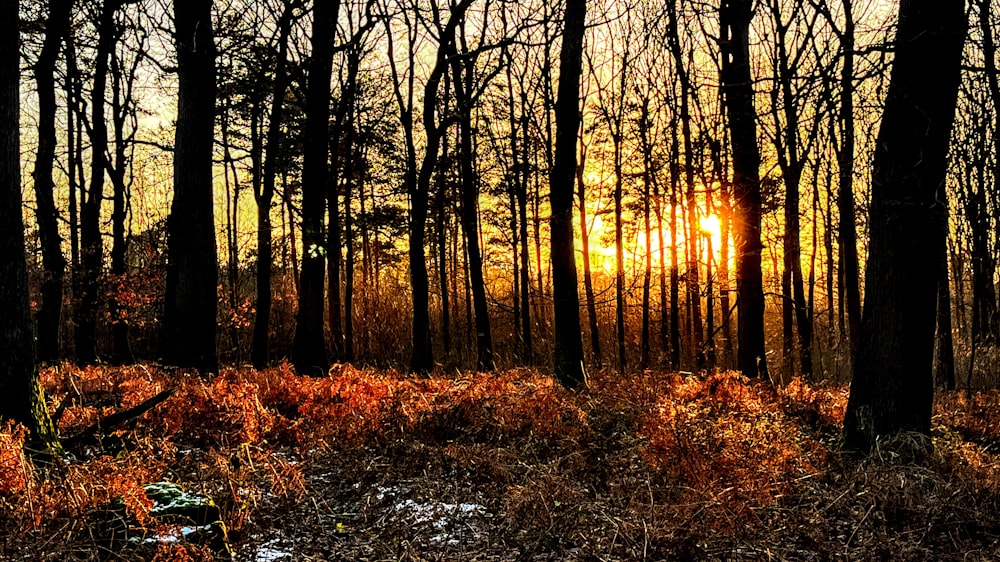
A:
{"x": 656, "y": 466}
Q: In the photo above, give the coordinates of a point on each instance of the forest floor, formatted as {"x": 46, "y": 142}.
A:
{"x": 368, "y": 465}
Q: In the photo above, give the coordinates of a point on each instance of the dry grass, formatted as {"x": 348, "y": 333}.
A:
{"x": 372, "y": 465}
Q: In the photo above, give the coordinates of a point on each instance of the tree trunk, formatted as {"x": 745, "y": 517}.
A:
{"x": 675, "y": 309}
{"x": 309, "y": 353}
{"x": 737, "y": 86}
{"x": 851, "y": 277}
{"x": 691, "y": 238}
{"x": 944, "y": 371}
{"x": 189, "y": 319}
{"x": 647, "y": 277}
{"x": 21, "y": 395}
{"x": 527, "y": 351}
{"x": 892, "y": 389}
{"x": 91, "y": 242}
{"x": 568, "y": 349}
{"x": 462, "y": 73}
{"x": 588, "y": 279}
{"x": 987, "y": 330}
{"x": 791, "y": 158}
{"x": 46, "y": 214}
{"x": 121, "y": 85}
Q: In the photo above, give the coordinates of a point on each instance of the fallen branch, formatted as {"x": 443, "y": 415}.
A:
{"x": 104, "y": 426}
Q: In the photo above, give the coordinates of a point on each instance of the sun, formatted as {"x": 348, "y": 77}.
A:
{"x": 710, "y": 226}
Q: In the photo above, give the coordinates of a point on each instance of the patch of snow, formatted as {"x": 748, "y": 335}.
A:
{"x": 267, "y": 553}
{"x": 440, "y": 515}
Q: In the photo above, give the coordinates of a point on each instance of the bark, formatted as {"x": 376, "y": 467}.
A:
{"x": 568, "y": 348}
{"x": 21, "y": 397}
{"x": 737, "y": 86}
{"x": 189, "y": 319}
{"x": 892, "y": 389}
{"x": 691, "y": 238}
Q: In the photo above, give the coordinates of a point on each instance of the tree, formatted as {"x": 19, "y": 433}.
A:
{"x": 21, "y": 396}
{"x": 565, "y": 298}
{"x": 309, "y": 353}
{"x": 892, "y": 389}
{"x": 189, "y": 316}
{"x": 264, "y": 190}
{"x": 124, "y": 119}
{"x": 737, "y": 86}
{"x": 91, "y": 241}
{"x": 46, "y": 214}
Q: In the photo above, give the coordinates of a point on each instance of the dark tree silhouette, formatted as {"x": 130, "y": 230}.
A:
{"x": 892, "y": 389}
{"x": 309, "y": 353}
{"x": 737, "y": 86}
{"x": 21, "y": 397}
{"x": 189, "y": 317}
{"x": 91, "y": 241}
{"x": 264, "y": 194}
{"x": 46, "y": 214}
{"x": 568, "y": 350}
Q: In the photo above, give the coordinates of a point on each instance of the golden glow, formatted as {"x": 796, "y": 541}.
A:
{"x": 710, "y": 226}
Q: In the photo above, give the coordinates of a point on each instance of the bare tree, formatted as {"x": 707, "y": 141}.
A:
{"x": 892, "y": 389}
{"x": 309, "y": 352}
{"x": 46, "y": 214}
{"x": 21, "y": 395}
{"x": 737, "y": 86}
{"x": 568, "y": 350}
{"x": 189, "y": 318}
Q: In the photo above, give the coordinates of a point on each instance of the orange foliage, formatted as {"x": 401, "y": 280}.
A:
{"x": 721, "y": 439}
{"x": 728, "y": 435}
{"x": 13, "y": 466}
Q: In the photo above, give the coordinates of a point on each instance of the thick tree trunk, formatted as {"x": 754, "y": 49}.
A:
{"x": 568, "y": 349}
{"x": 892, "y": 389}
{"x": 737, "y": 86}
{"x": 21, "y": 395}
{"x": 309, "y": 353}
{"x": 189, "y": 319}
